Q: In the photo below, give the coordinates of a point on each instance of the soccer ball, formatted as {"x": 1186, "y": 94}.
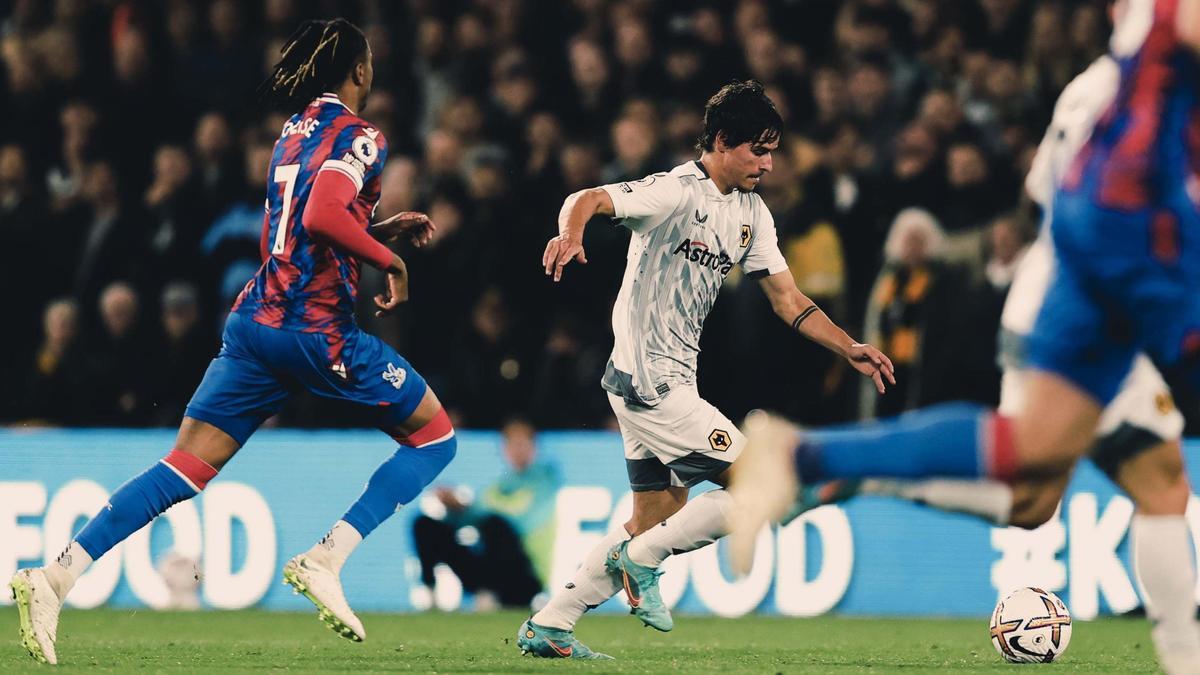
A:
{"x": 1031, "y": 626}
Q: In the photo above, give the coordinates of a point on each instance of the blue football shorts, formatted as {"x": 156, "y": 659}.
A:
{"x": 1125, "y": 282}
{"x": 258, "y": 366}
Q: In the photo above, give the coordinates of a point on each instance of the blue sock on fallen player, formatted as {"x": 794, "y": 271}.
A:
{"x": 951, "y": 440}
{"x": 176, "y": 477}
{"x": 402, "y": 477}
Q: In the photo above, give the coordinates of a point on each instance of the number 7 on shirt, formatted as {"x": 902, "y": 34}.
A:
{"x": 285, "y": 174}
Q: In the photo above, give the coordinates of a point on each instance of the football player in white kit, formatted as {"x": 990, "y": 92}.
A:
{"x": 690, "y": 226}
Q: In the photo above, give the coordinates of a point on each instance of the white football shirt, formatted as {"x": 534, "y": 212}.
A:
{"x": 687, "y": 237}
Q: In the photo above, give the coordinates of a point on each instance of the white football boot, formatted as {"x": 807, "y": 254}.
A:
{"x": 1177, "y": 654}
{"x": 37, "y": 610}
{"x": 312, "y": 577}
{"x": 763, "y": 483}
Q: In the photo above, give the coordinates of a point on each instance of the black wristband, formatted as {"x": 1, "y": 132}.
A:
{"x": 803, "y": 315}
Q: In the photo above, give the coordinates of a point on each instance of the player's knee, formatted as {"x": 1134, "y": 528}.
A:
{"x": 445, "y": 451}
{"x": 1155, "y": 479}
{"x": 436, "y": 441}
{"x": 195, "y": 471}
{"x": 1034, "y": 504}
{"x": 1165, "y": 491}
{"x": 1040, "y": 461}
{"x": 1169, "y": 501}
{"x": 1033, "y": 516}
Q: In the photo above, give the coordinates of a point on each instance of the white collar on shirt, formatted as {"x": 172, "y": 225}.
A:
{"x": 330, "y": 97}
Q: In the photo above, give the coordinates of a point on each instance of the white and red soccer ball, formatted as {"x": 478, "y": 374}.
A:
{"x": 1031, "y": 626}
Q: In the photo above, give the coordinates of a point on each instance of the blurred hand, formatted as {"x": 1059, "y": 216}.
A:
{"x": 446, "y": 495}
{"x": 559, "y": 251}
{"x": 416, "y": 225}
{"x": 873, "y": 363}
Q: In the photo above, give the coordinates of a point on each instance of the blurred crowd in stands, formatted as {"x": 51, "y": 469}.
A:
{"x": 133, "y": 160}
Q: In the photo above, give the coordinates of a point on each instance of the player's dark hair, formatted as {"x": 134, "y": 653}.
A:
{"x": 316, "y": 58}
{"x": 741, "y": 112}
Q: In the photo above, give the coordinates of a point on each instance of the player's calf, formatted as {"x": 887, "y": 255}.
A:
{"x": 1034, "y": 502}
{"x": 39, "y": 593}
{"x": 316, "y": 573}
{"x": 420, "y": 458}
{"x": 177, "y": 477}
{"x": 1162, "y": 551}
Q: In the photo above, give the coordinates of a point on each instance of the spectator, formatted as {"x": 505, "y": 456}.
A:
{"x": 514, "y": 93}
{"x": 491, "y": 372}
{"x": 51, "y": 395}
{"x": 231, "y": 245}
{"x": 634, "y": 143}
{"x": 173, "y": 204}
{"x": 870, "y": 102}
{"x": 593, "y": 104}
{"x": 501, "y": 545}
{"x": 494, "y": 112}
{"x": 977, "y": 371}
{"x": 139, "y": 126}
{"x": 217, "y": 169}
{"x": 1008, "y": 240}
{"x": 565, "y": 394}
{"x": 911, "y": 313}
{"x": 22, "y": 223}
{"x": 829, "y": 99}
{"x": 971, "y": 199}
{"x": 917, "y": 178}
{"x": 116, "y": 361}
{"x": 181, "y": 356}
{"x": 64, "y": 180}
{"x": 108, "y": 245}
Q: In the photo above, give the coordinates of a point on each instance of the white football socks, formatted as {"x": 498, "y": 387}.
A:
{"x": 988, "y": 499}
{"x": 590, "y": 587}
{"x": 337, "y": 545}
{"x": 67, "y": 568}
{"x": 699, "y": 523}
{"x": 1162, "y": 562}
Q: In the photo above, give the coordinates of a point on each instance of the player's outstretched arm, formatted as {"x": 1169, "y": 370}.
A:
{"x": 416, "y": 225}
{"x": 1187, "y": 23}
{"x": 794, "y": 307}
{"x": 576, "y": 211}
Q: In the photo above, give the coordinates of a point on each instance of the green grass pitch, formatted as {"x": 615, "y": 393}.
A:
{"x": 254, "y": 641}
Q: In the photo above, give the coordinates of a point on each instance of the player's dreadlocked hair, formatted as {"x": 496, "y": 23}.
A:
{"x": 315, "y": 59}
{"x": 741, "y": 112}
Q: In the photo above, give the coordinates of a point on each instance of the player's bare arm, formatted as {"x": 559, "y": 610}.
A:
{"x": 794, "y": 307}
{"x": 1187, "y": 23}
{"x": 416, "y": 225}
{"x": 577, "y": 210}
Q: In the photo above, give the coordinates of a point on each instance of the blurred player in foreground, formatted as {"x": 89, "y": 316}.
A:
{"x": 1125, "y": 280}
{"x": 690, "y": 227}
{"x": 293, "y": 325}
{"x": 1138, "y": 437}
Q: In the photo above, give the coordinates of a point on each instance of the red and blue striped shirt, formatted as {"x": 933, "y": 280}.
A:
{"x": 304, "y": 283}
{"x": 1148, "y": 142}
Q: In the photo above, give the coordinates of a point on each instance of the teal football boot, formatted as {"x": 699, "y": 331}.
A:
{"x": 821, "y": 494}
{"x": 553, "y": 643}
{"x": 641, "y": 588}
